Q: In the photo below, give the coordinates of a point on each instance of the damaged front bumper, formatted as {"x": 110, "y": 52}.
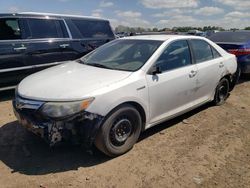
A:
{"x": 79, "y": 128}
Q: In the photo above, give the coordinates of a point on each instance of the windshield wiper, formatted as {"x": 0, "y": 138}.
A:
{"x": 99, "y": 65}
{"x": 80, "y": 61}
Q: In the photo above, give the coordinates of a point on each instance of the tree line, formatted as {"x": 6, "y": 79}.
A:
{"x": 126, "y": 29}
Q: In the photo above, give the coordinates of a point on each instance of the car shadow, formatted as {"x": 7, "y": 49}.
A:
{"x": 7, "y": 95}
{"x": 167, "y": 124}
{"x": 26, "y": 153}
{"x": 244, "y": 78}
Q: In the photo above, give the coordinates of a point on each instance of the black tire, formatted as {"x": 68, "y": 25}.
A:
{"x": 236, "y": 78}
{"x": 120, "y": 131}
{"x": 221, "y": 92}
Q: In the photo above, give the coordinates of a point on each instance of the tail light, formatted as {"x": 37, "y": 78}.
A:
{"x": 239, "y": 52}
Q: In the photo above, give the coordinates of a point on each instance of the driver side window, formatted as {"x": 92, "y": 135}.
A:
{"x": 9, "y": 29}
{"x": 176, "y": 55}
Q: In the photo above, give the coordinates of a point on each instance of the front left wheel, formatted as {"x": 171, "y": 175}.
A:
{"x": 120, "y": 131}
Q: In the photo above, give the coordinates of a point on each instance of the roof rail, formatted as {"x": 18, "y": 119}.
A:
{"x": 62, "y": 15}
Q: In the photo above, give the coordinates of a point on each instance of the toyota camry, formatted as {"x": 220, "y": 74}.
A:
{"x": 109, "y": 96}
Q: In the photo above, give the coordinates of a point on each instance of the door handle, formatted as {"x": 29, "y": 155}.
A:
{"x": 20, "y": 48}
{"x": 192, "y": 73}
{"x": 221, "y": 65}
{"x": 64, "y": 45}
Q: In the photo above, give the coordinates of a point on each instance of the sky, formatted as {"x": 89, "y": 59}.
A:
{"x": 145, "y": 13}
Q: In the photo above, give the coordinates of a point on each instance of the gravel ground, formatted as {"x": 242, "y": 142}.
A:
{"x": 208, "y": 147}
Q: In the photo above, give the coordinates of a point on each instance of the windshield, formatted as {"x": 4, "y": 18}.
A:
{"x": 127, "y": 55}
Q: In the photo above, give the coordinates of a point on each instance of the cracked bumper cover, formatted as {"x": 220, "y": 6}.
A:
{"x": 79, "y": 128}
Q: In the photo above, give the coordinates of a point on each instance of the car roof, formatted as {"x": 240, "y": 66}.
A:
{"x": 231, "y": 37}
{"x": 236, "y": 31}
{"x": 46, "y": 15}
{"x": 161, "y": 37}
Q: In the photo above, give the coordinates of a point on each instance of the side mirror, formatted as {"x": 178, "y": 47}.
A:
{"x": 155, "y": 70}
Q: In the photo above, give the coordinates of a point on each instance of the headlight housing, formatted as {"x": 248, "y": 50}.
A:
{"x": 65, "y": 109}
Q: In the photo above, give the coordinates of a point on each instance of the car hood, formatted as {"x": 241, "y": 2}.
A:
{"x": 67, "y": 82}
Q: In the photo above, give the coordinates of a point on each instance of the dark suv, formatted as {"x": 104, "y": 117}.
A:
{"x": 30, "y": 42}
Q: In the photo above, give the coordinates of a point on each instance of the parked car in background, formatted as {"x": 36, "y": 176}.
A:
{"x": 237, "y": 43}
{"x": 109, "y": 96}
{"x": 211, "y": 32}
{"x": 122, "y": 34}
{"x": 30, "y": 42}
{"x": 196, "y": 33}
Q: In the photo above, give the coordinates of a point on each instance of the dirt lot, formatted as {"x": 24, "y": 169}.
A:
{"x": 210, "y": 148}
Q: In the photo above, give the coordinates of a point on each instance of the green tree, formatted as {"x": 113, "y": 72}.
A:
{"x": 155, "y": 29}
{"x": 209, "y": 28}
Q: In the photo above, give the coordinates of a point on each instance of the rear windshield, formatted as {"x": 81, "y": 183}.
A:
{"x": 236, "y": 37}
{"x": 93, "y": 28}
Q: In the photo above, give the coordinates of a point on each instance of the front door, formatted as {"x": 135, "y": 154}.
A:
{"x": 12, "y": 51}
{"x": 172, "y": 91}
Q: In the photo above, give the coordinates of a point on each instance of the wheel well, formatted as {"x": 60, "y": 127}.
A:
{"x": 229, "y": 77}
{"x": 140, "y": 109}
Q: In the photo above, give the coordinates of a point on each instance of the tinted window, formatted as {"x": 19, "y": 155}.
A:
{"x": 93, "y": 29}
{"x": 215, "y": 53}
{"x": 9, "y": 29}
{"x": 128, "y": 55}
{"x": 237, "y": 36}
{"x": 45, "y": 28}
{"x": 176, "y": 55}
{"x": 202, "y": 50}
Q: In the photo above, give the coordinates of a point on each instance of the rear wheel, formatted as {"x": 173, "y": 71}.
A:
{"x": 236, "y": 78}
{"x": 120, "y": 131}
{"x": 222, "y": 92}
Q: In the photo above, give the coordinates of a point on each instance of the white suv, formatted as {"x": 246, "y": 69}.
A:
{"x": 112, "y": 94}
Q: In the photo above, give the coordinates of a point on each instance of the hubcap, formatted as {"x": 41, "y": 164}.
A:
{"x": 120, "y": 131}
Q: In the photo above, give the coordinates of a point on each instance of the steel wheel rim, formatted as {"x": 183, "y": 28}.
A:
{"x": 120, "y": 131}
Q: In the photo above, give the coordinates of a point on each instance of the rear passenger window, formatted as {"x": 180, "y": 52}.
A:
{"x": 215, "y": 53}
{"x": 176, "y": 55}
{"x": 9, "y": 29}
{"x": 202, "y": 51}
{"x": 93, "y": 28}
{"x": 46, "y": 28}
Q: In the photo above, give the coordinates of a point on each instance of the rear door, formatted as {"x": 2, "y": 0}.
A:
{"x": 210, "y": 66}
{"x": 12, "y": 51}
{"x": 88, "y": 34}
